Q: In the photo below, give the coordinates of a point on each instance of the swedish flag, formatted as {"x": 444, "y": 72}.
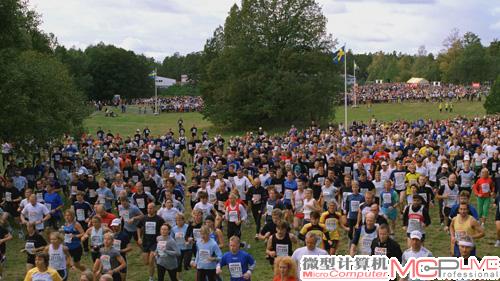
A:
{"x": 339, "y": 55}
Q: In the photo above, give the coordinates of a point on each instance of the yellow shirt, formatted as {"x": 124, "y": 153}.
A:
{"x": 36, "y": 275}
{"x": 332, "y": 224}
{"x": 411, "y": 179}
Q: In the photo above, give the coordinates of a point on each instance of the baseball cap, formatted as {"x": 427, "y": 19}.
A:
{"x": 416, "y": 235}
{"x": 116, "y": 222}
{"x": 384, "y": 163}
{"x": 444, "y": 165}
{"x": 485, "y": 161}
{"x": 466, "y": 158}
{"x": 426, "y": 142}
{"x": 178, "y": 166}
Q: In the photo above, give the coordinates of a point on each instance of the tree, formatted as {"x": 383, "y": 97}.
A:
{"x": 39, "y": 100}
{"x": 116, "y": 71}
{"x": 492, "y": 102}
{"x": 271, "y": 62}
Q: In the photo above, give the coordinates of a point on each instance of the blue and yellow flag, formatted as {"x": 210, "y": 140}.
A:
{"x": 339, "y": 55}
{"x": 152, "y": 74}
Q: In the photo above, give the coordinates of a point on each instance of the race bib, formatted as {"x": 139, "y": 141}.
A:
{"x": 235, "y": 269}
{"x": 485, "y": 187}
{"x": 281, "y": 250}
{"x": 197, "y": 234}
{"x": 288, "y": 194}
{"x": 204, "y": 255}
{"x": 101, "y": 198}
{"x": 331, "y": 224}
{"x": 30, "y": 248}
{"x": 39, "y": 197}
{"x": 41, "y": 276}
{"x": 307, "y": 214}
{"x": 135, "y": 178}
{"x": 117, "y": 244}
{"x": 233, "y": 216}
{"x": 80, "y": 214}
{"x": 278, "y": 188}
{"x": 140, "y": 203}
{"x": 269, "y": 209}
{"x": 380, "y": 251}
{"x": 8, "y": 196}
{"x": 125, "y": 215}
{"x": 96, "y": 241}
{"x": 162, "y": 247}
{"x": 387, "y": 198}
{"x": 68, "y": 237}
{"x": 49, "y": 206}
{"x": 106, "y": 262}
{"x": 92, "y": 193}
{"x": 256, "y": 198}
{"x": 414, "y": 224}
{"x": 354, "y": 206}
{"x": 179, "y": 237}
{"x": 147, "y": 189}
{"x": 150, "y": 227}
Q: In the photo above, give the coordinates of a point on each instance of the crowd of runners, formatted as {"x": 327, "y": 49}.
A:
{"x": 400, "y": 92}
{"x": 183, "y": 197}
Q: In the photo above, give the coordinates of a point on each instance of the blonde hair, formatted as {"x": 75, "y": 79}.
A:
{"x": 292, "y": 266}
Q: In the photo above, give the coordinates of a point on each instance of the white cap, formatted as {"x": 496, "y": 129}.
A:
{"x": 213, "y": 174}
{"x": 416, "y": 235}
{"x": 178, "y": 166}
{"x": 467, "y": 158}
{"x": 426, "y": 142}
{"x": 485, "y": 161}
{"x": 444, "y": 165}
{"x": 116, "y": 222}
{"x": 465, "y": 243}
{"x": 384, "y": 163}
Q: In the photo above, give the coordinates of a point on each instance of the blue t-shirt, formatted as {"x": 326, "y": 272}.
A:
{"x": 352, "y": 205}
{"x": 238, "y": 264}
{"x": 53, "y": 200}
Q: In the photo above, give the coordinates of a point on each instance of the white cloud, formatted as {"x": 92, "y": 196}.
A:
{"x": 158, "y": 28}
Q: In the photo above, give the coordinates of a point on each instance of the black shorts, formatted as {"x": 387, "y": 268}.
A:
{"x": 76, "y": 253}
{"x": 132, "y": 234}
{"x": 148, "y": 247}
{"x": 30, "y": 259}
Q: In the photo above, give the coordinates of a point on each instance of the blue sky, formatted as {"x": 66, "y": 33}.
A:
{"x": 159, "y": 28}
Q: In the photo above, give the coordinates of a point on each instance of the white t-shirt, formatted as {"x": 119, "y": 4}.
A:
{"x": 35, "y": 213}
{"x": 304, "y": 251}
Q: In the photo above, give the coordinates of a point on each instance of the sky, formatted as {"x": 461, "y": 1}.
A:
{"x": 159, "y": 28}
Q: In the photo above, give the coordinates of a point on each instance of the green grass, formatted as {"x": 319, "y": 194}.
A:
{"x": 437, "y": 241}
{"x": 126, "y": 124}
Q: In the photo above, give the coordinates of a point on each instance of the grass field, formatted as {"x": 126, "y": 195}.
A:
{"x": 437, "y": 240}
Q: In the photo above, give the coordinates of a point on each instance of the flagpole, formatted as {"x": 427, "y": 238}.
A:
{"x": 345, "y": 91}
{"x": 156, "y": 95}
{"x": 354, "y": 86}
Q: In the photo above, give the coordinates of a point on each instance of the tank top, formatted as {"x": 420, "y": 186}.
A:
{"x": 299, "y": 200}
{"x": 96, "y": 237}
{"x": 308, "y": 203}
{"x": 283, "y": 247}
{"x": 331, "y": 222}
{"x": 233, "y": 213}
{"x": 415, "y": 219}
{"x": 463, "y": 229}
{"x": 70, "y": 239}
{"x": 57, "y": 258}
{"x": 365, "y": 241}
{"x": 452, "y": 195}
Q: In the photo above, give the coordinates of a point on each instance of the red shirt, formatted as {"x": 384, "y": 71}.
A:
{"x": 483, "y": 187}
{"x": 108, "y": 218}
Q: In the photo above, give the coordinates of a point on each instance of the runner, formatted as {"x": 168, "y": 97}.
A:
{"x": 484, "y": 189}
{"x": 463, "y": 226}
{"x": 178, "y": 233}
{"x": 364, "y": 236}
{"x": 384, "y": 245}
{"x": 35, "y": 243}
{"x": 416, "y": 250}
{"x": 207, "y": 256}
{"x": 59, "y": 256}
{"x": 147, "y": 231}
{"x": 110, "y": 261}
{"x": 121, "y": 243}
{"x": 73, "y": 232}
{"x": 240, "y": 263}
{"x": 96, "y": 235}
{"x": 42, "y": 271}
{"x": 166, "y": 254}
{"x": 280, "y": 243}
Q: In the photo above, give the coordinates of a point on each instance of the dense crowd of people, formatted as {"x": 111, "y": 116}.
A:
{"x": 171, "y": 104}
{"x": 182, "y": 197}
{"x": 400, "y": 92}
